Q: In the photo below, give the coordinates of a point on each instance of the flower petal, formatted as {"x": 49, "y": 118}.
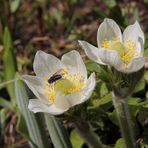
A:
{"x": 74, "y": 98}
{"x": 36, "y": 84}
{"x": 79, "y": 97}
{"x": 111, "y": 57}
{"x": 36, "y": 105}
{"x": 91, "y": 51}
{"x": 135, "y": 65}
{"x": 61, "y": 102}
{"x": 45, "y": 64}
{"x": 90, "y": 85}
{"x": 108, "y": 30}
{"x": 74, "y": 61}
{"x": 135, "y": 34}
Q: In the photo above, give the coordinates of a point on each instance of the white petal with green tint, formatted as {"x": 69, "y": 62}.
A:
{"x": 117, "y": 52}
{"x": 61, "y": 102}
{"x": 136, "y": 35}
{"x": 91, "y": 51}
{"x": 36, "y": 105}
{"x": 80, "y": 97}
{"x": 71, "y": 89}
{"x": 74, "y": 62}
{"x": 44, "y": 64}
{"x": 135, "y": 65}
{"x": 75, "y": 98}
{"x": 36, "y": 84}
{"x": 90, "y": 85}
{"x": 133, "y": 32}
{"x": 108, "y": 30}
{"x": 111, "y": 57}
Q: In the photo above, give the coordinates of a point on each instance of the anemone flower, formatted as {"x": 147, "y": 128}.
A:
{"x": 123, "y": 52}
{"x": 58, "y": 84}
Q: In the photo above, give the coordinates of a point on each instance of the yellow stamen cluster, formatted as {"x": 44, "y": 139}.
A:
{"x": 76, "y": 85}
{"x": 116, "y": 39}
{"x": 50, "y": 92}
{"x": 127, "y": 53}
{"x": 130, "y": 51}
{"x": 105, "y": 43}
{"x": 77, "y": 80}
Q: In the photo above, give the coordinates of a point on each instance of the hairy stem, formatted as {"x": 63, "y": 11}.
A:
{"x": 125, "y": 122}
{"x": 86, "y": 132}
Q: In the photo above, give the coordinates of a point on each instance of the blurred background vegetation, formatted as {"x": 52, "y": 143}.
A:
{"x": 54, "y": 26}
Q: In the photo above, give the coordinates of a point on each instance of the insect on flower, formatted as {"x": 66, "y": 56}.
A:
{"x": 58, "y": 84}
{"x": 55, "y": 77}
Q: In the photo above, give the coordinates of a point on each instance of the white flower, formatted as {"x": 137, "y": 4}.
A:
{"x": 58, "y": 85}
{"x": 123, "y": 52}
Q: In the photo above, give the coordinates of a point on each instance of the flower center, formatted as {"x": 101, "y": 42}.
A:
{"x": 126, "y": 51}
{"x": 68, "y": 84}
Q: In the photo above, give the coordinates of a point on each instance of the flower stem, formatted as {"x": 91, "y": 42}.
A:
{"x": 125, "y": 122}
{"x": 86, "y": 132}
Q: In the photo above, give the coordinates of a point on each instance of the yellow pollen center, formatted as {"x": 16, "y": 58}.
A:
{"x": 50, "y": 92}
{"x": 68, "y": 84}
{"x": 127, "y": 51}
{"x": 105, "y": 43}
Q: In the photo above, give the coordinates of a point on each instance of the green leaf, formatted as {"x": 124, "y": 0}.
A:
{"x": 103, "y": 90}
{"x": 100, "y": 71}
{"x": 36, "y": 128}
{"x": 142, "y": 116}
{"x": 14, "y": 5}
{"x": 9, "y": 62}
{"x": 120, "y": 143}
{"x": 76, "y": 140}
{"x": 146, "y": 52}
{"x": 21, "y": 125}
{"x": 3, "y": 118}
{"x": 146, "y": 76}
{"x": 57, "y": 15}
{"x": 57, "y": 132}
{"x": 134, "y": 101}
{"x": 136, "y": 14}
{"x": 140, "y": 88}
{"x": 134, "y": 105}
{"x": 113, "y": 117}
{"x": 109, "y": 3}
{"x": 105, "y": 102}
{"x": 5, "y": 103}
{"x": 100, "y": 13}
{"x": 91, "y": 66}
{"x": 147, "y": 95}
